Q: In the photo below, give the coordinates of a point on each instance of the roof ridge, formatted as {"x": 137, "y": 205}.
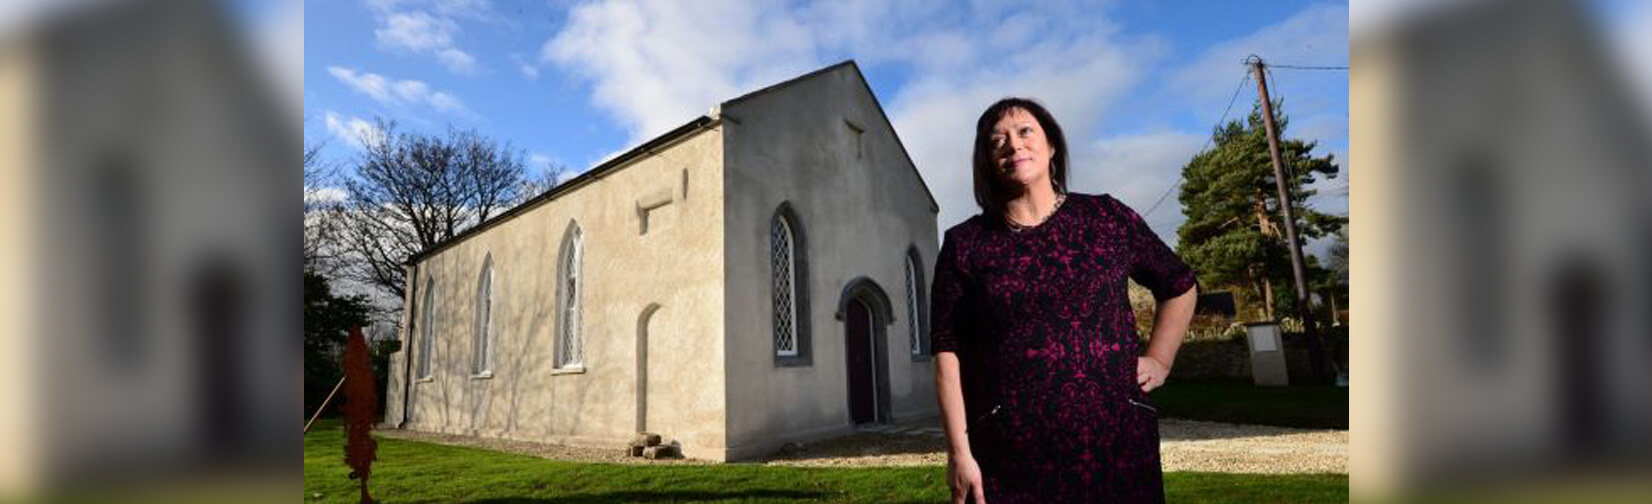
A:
{"x": 788, "y": 82}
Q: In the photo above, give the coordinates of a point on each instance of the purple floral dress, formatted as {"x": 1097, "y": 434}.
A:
{"x": 1040, "y": 320}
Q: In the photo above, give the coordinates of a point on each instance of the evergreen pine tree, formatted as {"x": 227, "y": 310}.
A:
{"x": 1233, "y": 235}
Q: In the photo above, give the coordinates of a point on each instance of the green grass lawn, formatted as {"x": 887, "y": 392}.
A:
{"x": 1306, "y": 406}
{"x": 410, "y": 471}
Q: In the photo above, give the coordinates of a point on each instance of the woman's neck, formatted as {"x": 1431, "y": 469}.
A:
{"x": 1032, "y": 206}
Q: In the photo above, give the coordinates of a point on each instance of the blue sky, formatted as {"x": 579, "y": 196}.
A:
{"x": 1137, "y": 85}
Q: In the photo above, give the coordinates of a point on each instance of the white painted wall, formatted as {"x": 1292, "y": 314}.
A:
{"x": 676, "y": 264}
{"x": 861, "y": 208}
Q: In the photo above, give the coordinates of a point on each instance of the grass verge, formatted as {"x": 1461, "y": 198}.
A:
{"x": 416, "y": 472}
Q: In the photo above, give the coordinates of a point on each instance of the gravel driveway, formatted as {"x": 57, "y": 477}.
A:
{"x": 1185, "y": 446}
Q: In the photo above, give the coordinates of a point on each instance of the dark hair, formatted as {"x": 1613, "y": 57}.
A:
{"x": 990, "y": 192}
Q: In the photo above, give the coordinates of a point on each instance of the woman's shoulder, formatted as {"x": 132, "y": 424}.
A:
{"x": 1087, "y": 198}
{"x": 1099, "y": 204}
{"x": 1103, "y": 205}
{"x": 967, "y": 230}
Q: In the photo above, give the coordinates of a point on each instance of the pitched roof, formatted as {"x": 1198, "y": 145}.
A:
{"x": 861, "y": 78}
{"x": 668, "y": 138}
{"x": 601, "y": 170}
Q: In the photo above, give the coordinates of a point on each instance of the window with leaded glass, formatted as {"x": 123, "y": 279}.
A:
{"x": 427, "y": 340}
{"x": 783, "y": 262}
{"x": 569, "y": 351}
{"x": 912, "y": 325}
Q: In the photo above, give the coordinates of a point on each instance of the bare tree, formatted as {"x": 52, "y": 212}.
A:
{"x": 320, "y": 195}
{"x": 314, "y": 170}
{"x": 411, "y": 191}
{"x": 550, "y": 176}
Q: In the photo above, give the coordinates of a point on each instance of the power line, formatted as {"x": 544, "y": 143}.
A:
{"x": 1235, "y": 98}
{"x": 1307, "y": 67}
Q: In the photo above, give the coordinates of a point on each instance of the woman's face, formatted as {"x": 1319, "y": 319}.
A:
{"x": 1020, "y": 150}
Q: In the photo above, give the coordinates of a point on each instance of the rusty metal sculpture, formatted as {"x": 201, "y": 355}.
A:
{"x": 360, "y": 449}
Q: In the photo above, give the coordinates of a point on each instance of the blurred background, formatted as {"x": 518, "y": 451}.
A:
{"x": 1502, "y": 254}
{"x": 149, "y": 155}
{"x": 150, "y": 183}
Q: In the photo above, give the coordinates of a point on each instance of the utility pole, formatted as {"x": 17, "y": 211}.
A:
{"x": 1316, "y": 350}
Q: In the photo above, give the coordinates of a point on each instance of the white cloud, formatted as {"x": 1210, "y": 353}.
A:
{"x": 653, "y": 65}
{"x": 1137, "y": 168}
{"x": 936, "y": 115}
{"x": 394, "y": 92}
{"x": 1332, "y": 194}
{"x": 1078, "y": 77}
{"x": 354, "y": 131}
{"x": 457, "y": 61}
{"x": 408, "y": 90}
{"x": 428, "y": 27}
{"x": 373, "y": 85}
{"x": 324, "y": 195}
{"x": 445, "y": 102}
{"x": 416, "y": 31}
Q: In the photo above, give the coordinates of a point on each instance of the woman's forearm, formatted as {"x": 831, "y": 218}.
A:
{"x": 1170, "y": 326}
{"x": 950, "y": 392}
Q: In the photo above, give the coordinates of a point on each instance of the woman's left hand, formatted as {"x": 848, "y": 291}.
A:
{"x": 1150, "y": 373}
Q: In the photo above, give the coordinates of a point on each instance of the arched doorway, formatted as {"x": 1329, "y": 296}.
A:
{"x": 865, "y": 312}
{"x": 862, "y": 374}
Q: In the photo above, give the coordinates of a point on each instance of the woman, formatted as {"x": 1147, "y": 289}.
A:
{"x": 1041, "y": 385}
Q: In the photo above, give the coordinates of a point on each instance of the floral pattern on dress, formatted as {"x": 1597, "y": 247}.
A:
{"x": 1041, "y": 323}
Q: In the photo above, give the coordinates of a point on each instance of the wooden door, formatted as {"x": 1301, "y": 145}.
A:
{"x": 862, "y": 375}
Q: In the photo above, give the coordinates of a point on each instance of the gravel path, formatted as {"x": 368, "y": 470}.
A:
{"x": 542, "y": 450}
{"x": 1185, "y": 446}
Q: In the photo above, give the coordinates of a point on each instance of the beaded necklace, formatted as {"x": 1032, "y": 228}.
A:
{"x": 1017, "y": 228}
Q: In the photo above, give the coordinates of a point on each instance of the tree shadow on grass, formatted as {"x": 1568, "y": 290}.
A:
{"x": 668, "y": 496}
